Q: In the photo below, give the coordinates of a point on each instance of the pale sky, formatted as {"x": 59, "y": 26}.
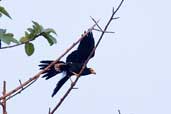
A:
{"x": 132, "y": 65}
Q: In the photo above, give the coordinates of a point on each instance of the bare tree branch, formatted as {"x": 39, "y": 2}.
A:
{"x": 74, "y": 83}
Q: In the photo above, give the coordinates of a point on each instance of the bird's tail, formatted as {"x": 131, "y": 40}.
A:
{"x": 60, "y": 84}
{"x": 53, "y": 70}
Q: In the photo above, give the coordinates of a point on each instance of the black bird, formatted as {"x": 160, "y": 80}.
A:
{"x": 73, "y": 64}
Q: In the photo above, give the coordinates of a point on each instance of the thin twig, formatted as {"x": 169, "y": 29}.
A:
{"x": 22, "y": 89}
{"x": 116, "y": 18}
{"x": 20, "y": 83}
{"x": 12, "y": 46}
{"x": 74, "y": 83}
{"x": 103, "y": 31}
{"x": 41, "y": 72}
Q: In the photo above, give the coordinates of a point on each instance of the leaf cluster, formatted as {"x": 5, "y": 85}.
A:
{"x": 7, "y": 37}
{"x": 30, "y": 35}
{"x": 33, "y": 33}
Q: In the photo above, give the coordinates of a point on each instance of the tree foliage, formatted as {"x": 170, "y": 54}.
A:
{"x": 30, "y": 35}
{"x": 4, "y": 12}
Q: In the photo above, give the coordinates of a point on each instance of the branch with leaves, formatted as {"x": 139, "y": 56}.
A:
{"x": 30, "y": 35}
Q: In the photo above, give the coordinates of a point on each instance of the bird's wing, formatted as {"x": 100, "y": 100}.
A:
{"x": 83, "y": 51}
{"x": 60, "y": 84}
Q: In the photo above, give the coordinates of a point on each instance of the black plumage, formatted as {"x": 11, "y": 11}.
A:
{"x": 73, "y": 64}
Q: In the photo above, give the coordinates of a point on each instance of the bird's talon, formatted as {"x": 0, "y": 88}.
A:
{"x": 75, "y": 74}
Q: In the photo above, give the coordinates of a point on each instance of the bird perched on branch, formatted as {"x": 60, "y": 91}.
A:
{"x": 74, "y": 62}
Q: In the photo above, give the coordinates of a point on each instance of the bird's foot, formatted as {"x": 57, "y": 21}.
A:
{"x": 76, "y": 74}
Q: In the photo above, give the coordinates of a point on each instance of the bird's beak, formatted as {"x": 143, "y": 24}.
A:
{"x": 92, "y": 71}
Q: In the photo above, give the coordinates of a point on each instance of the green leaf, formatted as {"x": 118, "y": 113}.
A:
{"x": 37, "y": 27}
{"x": 49, "y": 30}
{"x": 35, "y": 23}
{"x": 12, "y": 39}
{"x": 30, "y": 30}
{"x": 8, "y": 38}
{"x": 26, "y": 34}
{"x": 24, "y": 39}
{"x": 29, "y": 48}
{"x": 51, "y": 40}
{"x": 3, "y": 11}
